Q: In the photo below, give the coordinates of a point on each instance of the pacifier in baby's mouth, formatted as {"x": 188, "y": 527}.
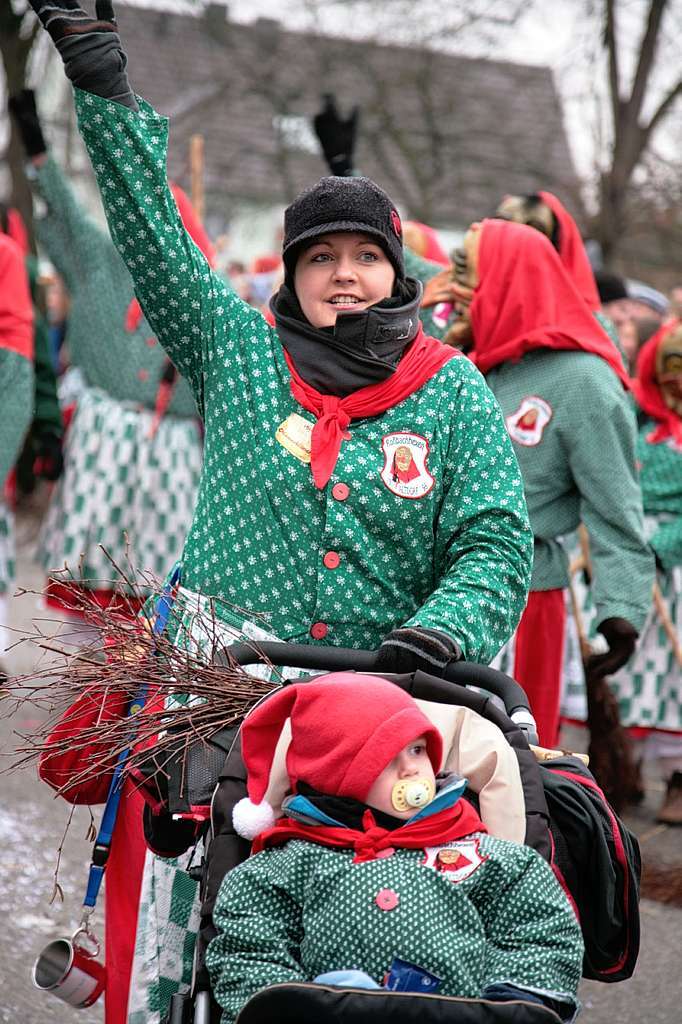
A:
{"x": 412, "y": 793}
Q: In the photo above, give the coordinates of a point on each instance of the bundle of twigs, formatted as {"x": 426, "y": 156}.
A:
{"x": 187, "y": 698}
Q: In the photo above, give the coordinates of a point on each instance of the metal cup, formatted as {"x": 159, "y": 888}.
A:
{"x": 70, "y": 970}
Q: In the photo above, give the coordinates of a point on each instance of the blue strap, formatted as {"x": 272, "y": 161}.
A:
{"x": 100, "y": 852}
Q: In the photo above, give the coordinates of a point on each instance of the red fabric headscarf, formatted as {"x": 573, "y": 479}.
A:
{"x": 647, "y": 391}
{"x": 421, "y": 361}
{"x": 525, "y": 300}
{"x": 195, "y": 229}
{"x": 431, "y": 248}
{"x": 266, "y": 264}
{"x": 572, "y": 252}
{"x": 16, "y": 309}
{"x": 16, "y": 229}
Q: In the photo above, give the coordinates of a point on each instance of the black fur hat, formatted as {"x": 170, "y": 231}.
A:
{"x": 343, "y": 204}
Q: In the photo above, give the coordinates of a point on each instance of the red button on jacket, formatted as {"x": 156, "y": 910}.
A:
{"x": 340, "y": 491}
{"x": 387, "y": 899}
{"x": 319, "y": 630}
{"x": 331, "y": 560}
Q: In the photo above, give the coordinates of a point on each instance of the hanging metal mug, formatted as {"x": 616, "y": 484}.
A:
{"x": 70, "y": 970}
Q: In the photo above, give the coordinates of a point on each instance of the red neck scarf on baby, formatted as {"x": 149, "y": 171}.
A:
{"x": 433, "y": 830}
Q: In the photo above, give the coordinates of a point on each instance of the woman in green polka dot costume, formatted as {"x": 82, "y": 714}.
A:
{"x": 351, "y": 551}
{"x": 359, "y": 487}
{"x": 371, "y": 864}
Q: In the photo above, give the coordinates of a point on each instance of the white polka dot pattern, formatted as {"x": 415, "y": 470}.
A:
{"x": 457, "y": 560}
{"x": 293, "y": 912}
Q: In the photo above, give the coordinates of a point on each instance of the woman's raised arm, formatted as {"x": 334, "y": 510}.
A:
{"x": 190, "y": 308}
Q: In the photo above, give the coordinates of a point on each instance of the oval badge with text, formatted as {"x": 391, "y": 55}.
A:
{"x": 405, "y": 471}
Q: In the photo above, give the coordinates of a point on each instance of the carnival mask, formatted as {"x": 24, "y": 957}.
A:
{"x": 465, "y": 276}
{"x": 530, "y": 210}
{"x": 669, "y": 369}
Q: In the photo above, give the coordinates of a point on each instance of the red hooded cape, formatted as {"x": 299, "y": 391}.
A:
{"x": 433, "y": 250}
{"x": 572, "y": 252}
{"x": 525, "y": 300}
{"x": 16, "y": 309}
{"x": 647, "y": 391}
{"x": 444, "y": 827}
{"x": 16, "y": 229}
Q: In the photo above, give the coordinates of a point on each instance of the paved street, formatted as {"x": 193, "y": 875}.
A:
{"x": 32, "y": 823}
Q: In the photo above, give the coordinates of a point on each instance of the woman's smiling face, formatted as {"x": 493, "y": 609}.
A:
{"x": 343, "y": 272}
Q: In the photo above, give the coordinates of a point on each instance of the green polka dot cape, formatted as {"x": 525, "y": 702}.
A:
{"x": 478, "y": 911}
{"x": 451, "y": 550}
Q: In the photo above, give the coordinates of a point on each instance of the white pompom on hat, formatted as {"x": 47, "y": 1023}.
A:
{"x": 345, "y": 729}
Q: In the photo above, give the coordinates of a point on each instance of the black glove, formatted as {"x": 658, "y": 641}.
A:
{"x": 49, "y": 460}
{"x": 337, "y": 136}
{"x": 90, "y": 47}
{"x": 621, "y": 637}
{"x": 41, "y": 456}
{"x": 412, "y": 648}
{"x": 657, "y": 560}
{"x": 22, "y": 107}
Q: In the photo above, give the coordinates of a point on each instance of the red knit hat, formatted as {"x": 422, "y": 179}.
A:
{"x": 345, "y": 729}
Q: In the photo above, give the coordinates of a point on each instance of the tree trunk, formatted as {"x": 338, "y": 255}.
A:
{"x": 15, "y": 51}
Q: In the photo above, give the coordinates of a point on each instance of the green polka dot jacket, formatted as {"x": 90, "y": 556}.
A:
{"x": 450, "y": 549}
{"x": 574, "y": 432}
{"x": 476, "y": 912}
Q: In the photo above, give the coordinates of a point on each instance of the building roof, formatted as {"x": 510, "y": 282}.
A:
{"x": 445, "y": 135}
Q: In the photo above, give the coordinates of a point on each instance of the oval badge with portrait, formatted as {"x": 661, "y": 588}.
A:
{"x": 526, "y": 426}
{"x": 405, "y": 470}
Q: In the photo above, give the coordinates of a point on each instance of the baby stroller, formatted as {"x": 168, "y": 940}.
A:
{"x": 554, "y": 805}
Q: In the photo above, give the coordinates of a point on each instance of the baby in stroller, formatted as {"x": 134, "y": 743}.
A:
{"x": 380, "y": 874}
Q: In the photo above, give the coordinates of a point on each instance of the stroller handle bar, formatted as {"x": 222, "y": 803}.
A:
{"x": 344, "y": 659}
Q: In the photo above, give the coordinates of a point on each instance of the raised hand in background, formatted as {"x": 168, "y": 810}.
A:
{"x": 337, "y": 135}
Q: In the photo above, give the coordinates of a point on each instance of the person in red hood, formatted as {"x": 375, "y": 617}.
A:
{"x": 16, "y": 394}
{"x": 404, "y": 468}
{"x": 542, "y": 210}
{"x": 563, "y": 390}
{"x": 135, "y": 422}
{"x": 423, "y": 240}
{"x": 649, "y": 690}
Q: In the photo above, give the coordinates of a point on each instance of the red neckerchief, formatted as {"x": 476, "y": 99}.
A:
{"x": 647, "y": 392}
{"x": 434, "y": 830}
{"x": 525, "y": 301}
{"x": 572, "y": 252}
{"x": 422, "y": 360}
{"x": 16, "y": 309}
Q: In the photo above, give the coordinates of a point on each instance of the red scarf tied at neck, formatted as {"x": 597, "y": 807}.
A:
{"x": 648, "y": 393}
{"x": 434, "y": 830}
{"x": 525, "y": 301}
{"x": 422, "y": 360}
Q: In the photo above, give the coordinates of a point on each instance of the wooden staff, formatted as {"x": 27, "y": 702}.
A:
{"x": 667, "y": 623}
{"x": 196, "y": 172}
{"x": 577, "y": 565}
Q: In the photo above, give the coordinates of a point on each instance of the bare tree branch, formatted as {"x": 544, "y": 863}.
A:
{"x": 647, "y": 54}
